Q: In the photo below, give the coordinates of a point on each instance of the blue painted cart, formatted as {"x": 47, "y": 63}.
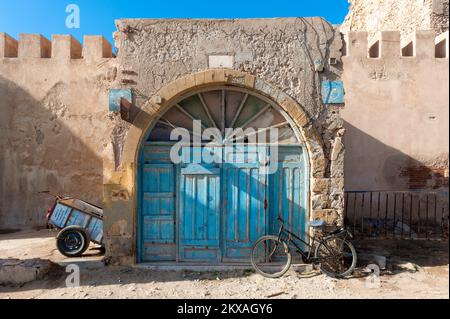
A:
{"x": 80, "y": 223}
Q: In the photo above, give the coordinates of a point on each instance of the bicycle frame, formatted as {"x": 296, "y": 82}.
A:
{"x": 326, "y": 251}
{"x": 286, "y": 236}
{"x": 286, "y": 233}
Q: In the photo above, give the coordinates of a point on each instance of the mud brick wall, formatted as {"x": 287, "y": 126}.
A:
{"x": 54, "y": 122}
{"x": 397, "y": 111}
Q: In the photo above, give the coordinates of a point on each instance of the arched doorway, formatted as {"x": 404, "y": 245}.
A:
{"x": 225, "y": 188}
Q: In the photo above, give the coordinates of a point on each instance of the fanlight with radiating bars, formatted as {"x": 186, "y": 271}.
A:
{"x": 225, "y": 110}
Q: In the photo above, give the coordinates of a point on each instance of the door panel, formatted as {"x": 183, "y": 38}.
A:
{"x": 158, "y": 212}
{"x": 199, "y": 215}
{"x": 221, "y": 210}
{"x": 288, "y": 192}
{"x": 244, "y": 203}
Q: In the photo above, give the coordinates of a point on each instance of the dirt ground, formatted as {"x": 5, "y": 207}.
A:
{"x": 415, "y": 270}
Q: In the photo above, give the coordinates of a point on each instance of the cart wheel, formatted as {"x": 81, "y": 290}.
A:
{"x": 72, "y": 241}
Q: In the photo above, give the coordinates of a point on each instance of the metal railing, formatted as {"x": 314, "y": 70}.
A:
{"x": 397, "y": 214}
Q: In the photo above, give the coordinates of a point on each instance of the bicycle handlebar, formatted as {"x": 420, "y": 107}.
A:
{"x": 58, "y": 197}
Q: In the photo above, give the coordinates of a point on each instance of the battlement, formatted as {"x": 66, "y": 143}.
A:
{"x": 61, "y": 47}
{"x": 389, "y": 44}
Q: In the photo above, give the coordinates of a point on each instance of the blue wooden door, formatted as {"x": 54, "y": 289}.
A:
{"x": 157, "y": 218}
{"x": 288, "y": 195}
{"x": 244, "y": 201}
{"x": 220, "y": 210}
{"x": 199, "y": 212}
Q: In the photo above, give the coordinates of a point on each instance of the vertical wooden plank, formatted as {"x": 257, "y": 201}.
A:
{"x": 199, "y": 208}
{"x": 280, "y": 193}
{"x": 188, "y": 208}
{"x": 242, "y": 208}
{"x": 212, "y": 212}
{"x": 199, "y": 217}
{"x": 287, "y": 193}
{"x": 157, "y": 230}
{"x": 232, "y": 203}
{"x": 246, "y": 205}
{"x": 297, "y": 202}
{"x": 254, "y": 228}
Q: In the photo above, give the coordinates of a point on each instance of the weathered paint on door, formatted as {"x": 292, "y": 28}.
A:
{"x": 199, "y": 208}
{"x": 221, "y": 210}
{"x": 244, "y": 201}
{"x": 199, "y": 227}
{"x": 288, "y": 196}
{"x": 158, "y": 209}
{"x": 213, "y": 211}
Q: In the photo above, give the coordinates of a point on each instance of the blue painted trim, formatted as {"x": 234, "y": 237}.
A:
{"x": 333, "y": 92}
{"x": 139, "y": 206}
{"x": 197, "y": 169}
{"x": 115, "y": 96}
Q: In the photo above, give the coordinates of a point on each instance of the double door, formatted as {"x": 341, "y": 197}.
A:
{"x": 212, "y": 212}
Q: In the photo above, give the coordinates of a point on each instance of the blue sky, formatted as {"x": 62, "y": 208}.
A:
{"x": 48, "y": 17}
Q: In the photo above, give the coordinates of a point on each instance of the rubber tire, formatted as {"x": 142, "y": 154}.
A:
{"x": 278, "y": 274}
{"x": 64, "y": 232}
{"x": 352, "y": 266}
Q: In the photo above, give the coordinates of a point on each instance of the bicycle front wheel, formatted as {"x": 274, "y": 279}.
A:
{"x": 271, "y": 257}
{"x": 337, "y": 257}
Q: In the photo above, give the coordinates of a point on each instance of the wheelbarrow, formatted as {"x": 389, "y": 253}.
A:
{"x": 79, "y": 222}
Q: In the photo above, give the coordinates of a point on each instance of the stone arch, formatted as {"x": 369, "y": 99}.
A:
{"x": 120, "y": 195}
{"x": 151, "y": 109}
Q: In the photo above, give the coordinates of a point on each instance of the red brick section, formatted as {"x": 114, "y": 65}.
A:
{"x": 423, "y": 177}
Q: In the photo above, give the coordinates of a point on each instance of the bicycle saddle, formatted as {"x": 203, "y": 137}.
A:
{"x": 317, "y": 223}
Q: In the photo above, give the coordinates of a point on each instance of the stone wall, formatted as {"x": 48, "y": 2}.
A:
{"x": 54, "y": 123}
{"x": 161, "y": 59}
{"x": 439, "y": 16}
{"x": 397, "y": 112}
{"x": 405, "y": 16}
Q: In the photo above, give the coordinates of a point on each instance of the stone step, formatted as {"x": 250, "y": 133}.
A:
{"x": 19, "y": 272}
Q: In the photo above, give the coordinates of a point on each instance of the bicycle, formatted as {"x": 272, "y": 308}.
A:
{"x": 335, "y": 255}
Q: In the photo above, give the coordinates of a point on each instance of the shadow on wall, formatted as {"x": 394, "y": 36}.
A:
{"x": 371, "y": 165}
{"x": 39, "y": 152}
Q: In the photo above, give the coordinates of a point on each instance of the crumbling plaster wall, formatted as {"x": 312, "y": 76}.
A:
{"x": 397, "y": 15}
{"x": 279, "y": 52}
{"x": 439, "y": 15}
{"x": 54, "y": 124}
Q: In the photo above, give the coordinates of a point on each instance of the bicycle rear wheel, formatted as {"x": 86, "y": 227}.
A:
{"x": 271, "y": 257}
{"x": 337, "y": 257}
